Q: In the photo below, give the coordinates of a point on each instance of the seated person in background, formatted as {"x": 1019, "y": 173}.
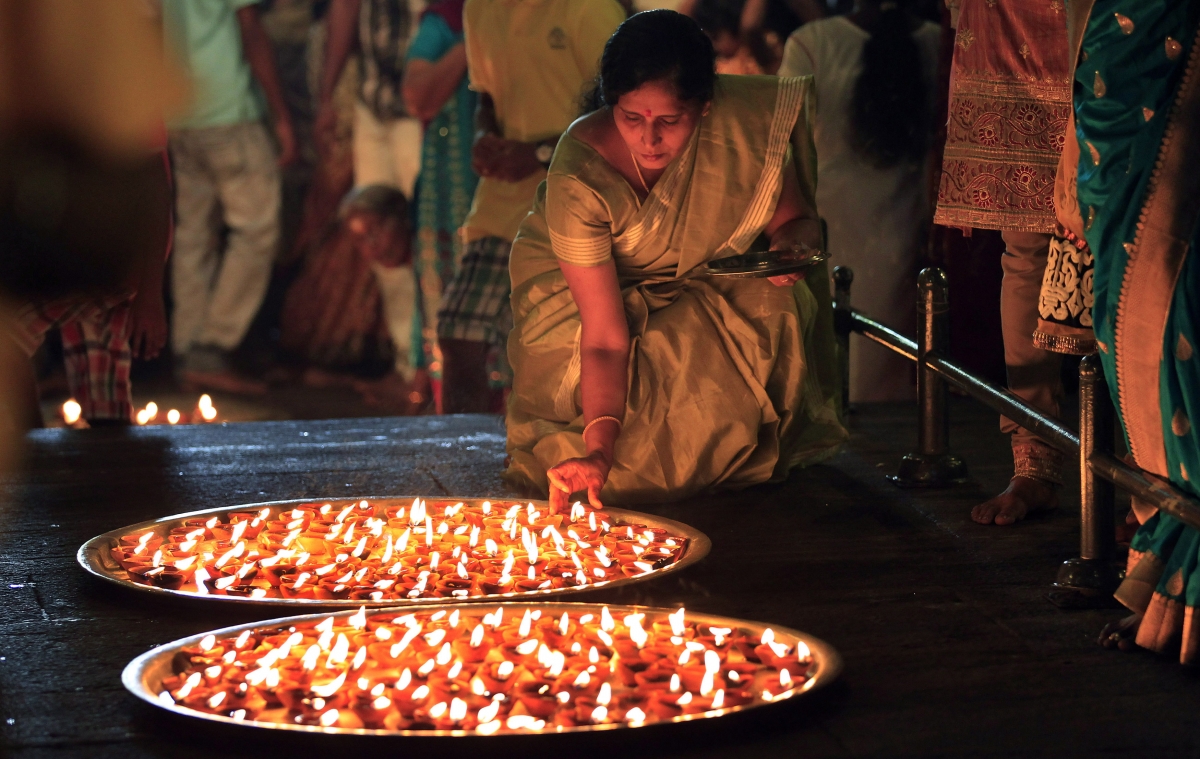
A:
{"x": 633, "y": 380}
{"x": 377, "y": 219}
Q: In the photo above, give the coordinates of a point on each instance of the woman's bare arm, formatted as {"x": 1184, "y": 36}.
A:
{"x": 604, "y": 375}
{"x": 429, "y": 84}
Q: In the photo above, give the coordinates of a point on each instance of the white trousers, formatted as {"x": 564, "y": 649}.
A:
{"x": 386, "y": 152}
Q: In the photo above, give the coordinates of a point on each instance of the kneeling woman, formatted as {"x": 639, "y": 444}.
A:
{"x": 634, "y": 379}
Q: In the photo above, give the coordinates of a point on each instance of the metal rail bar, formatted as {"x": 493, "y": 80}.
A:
{"x": 1143, "y": 487}
{"x": 998, "y": 399}
{"x": 1099, "y": 462}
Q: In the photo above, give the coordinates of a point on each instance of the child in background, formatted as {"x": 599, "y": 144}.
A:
{"x": 377, "y": 219}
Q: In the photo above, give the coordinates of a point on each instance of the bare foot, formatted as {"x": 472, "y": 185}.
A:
{"x": 1022, "y": 497}
{"x": 1121, "y": 634}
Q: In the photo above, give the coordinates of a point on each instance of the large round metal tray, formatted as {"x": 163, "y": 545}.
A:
{"x": 143, "y": 676}
{"x": 95, "y": 557}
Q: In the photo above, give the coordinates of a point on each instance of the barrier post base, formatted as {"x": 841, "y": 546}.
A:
{"x": 920, "y": 470}
{"x": 1086, "y": 584}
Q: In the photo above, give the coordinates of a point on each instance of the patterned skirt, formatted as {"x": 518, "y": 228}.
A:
{"x": 1162, "y": 583}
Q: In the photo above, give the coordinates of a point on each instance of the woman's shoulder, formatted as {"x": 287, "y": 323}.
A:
{"x": 583, "y": 152}
{"x": 590, "y": 129}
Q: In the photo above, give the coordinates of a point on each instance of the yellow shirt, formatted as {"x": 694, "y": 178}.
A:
{"x": 535, "y": 58}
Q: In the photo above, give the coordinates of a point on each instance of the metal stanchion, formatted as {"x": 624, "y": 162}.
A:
{"x": 932, "y": 465}
{"x": 1090, "y": 580}
{"x": 843, "y": 325}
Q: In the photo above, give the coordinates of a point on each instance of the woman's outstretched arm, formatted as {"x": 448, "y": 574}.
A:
{"x": 604, "y": 375}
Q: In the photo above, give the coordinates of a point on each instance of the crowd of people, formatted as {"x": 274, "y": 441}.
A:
{"x": 508, "y": 200}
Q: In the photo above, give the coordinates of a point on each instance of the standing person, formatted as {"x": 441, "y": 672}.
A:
{"x": 873, "y": 73}
{"x": 102, "y": 332}
{"x": 1137, "y": 113}
{"x": 633, "y": 379}
{"x": 437, "y": 91}
{"x": 223, "y": 158}
{"x": 529, "y": 60}
{"x": 1010, "y": 95}
{"x": 387, "y": 138}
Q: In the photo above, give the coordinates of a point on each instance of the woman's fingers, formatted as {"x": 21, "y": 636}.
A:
{"x": 560, "y": 492}
{"x": 594, "y": 494}
{"x": 572, "y": 476}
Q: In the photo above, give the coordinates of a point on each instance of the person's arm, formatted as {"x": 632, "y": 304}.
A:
{"x": 495, "y": 157}
{"x": 488, "y": 144}
{"x": 147, "y": 312}
{"x": 794, "y": 223}
{"x": 341, "y": 36}
{"x": 604, "y": 375}
{"x": 429, "y": 84}
{"x": 257, "y": 48}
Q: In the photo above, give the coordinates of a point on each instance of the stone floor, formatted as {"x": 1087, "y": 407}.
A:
{"x": 950, "y": 646}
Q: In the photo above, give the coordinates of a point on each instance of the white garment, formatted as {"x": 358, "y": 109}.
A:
{"x": 398, "y": 290}
{"x": 386, "y": 152}
{"x": 875, "y": 217}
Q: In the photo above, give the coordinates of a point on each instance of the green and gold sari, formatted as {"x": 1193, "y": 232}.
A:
{"x": 731, "y": 382}
{"x": 1137, "y": 111}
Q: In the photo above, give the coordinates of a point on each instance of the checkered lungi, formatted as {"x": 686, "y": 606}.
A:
{"x": 475, "y": 304}
{"x": 95, "y": 336}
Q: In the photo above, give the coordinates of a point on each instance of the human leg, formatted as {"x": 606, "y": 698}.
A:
{"x": 1034, "y": 376}
{"x": 194, "y": 256}
{"x": 470, "y": 321}
{"x": 24, "y": 335}
{"x": 98, "y": 360}
{"x": 248, "y": 185}
{"x": 404, "y": 142}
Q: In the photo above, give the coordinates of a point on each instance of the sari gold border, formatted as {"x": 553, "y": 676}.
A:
{"x": 1159, "y": 249}
{"x": 792, "y": 95}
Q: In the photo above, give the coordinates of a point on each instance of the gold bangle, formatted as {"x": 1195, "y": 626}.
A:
{"x": 620, "y": 424}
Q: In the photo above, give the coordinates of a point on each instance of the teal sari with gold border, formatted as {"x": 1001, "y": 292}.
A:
{"x": 1137, "y": 115}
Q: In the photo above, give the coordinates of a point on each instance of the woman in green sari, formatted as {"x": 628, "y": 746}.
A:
{"x": 1137, "y": 111}
{"x": 634, "y": 379}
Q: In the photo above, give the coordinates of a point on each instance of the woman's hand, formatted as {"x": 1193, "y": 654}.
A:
{"x": 588, "y": 473}
{"x": 148, "y": 334}
{"x": 792, "y": 235}
{"x": 786, "y": 280}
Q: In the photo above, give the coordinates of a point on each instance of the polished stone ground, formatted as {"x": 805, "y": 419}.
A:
{"x": 951, "y": 648}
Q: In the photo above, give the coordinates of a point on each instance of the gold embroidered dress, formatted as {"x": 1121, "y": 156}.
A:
{"x": 731, "y": 382}
{"x": 1010, "y": 94}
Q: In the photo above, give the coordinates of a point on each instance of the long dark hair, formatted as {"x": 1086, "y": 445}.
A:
{"x": 891, "y": 109}
{"x": 658, "y": 45}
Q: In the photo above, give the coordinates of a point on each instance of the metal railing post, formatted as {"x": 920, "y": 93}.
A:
{"x": 843, "y": 325}
{"x": 1091, "y": 579}
{"x": 932, "y": 465}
